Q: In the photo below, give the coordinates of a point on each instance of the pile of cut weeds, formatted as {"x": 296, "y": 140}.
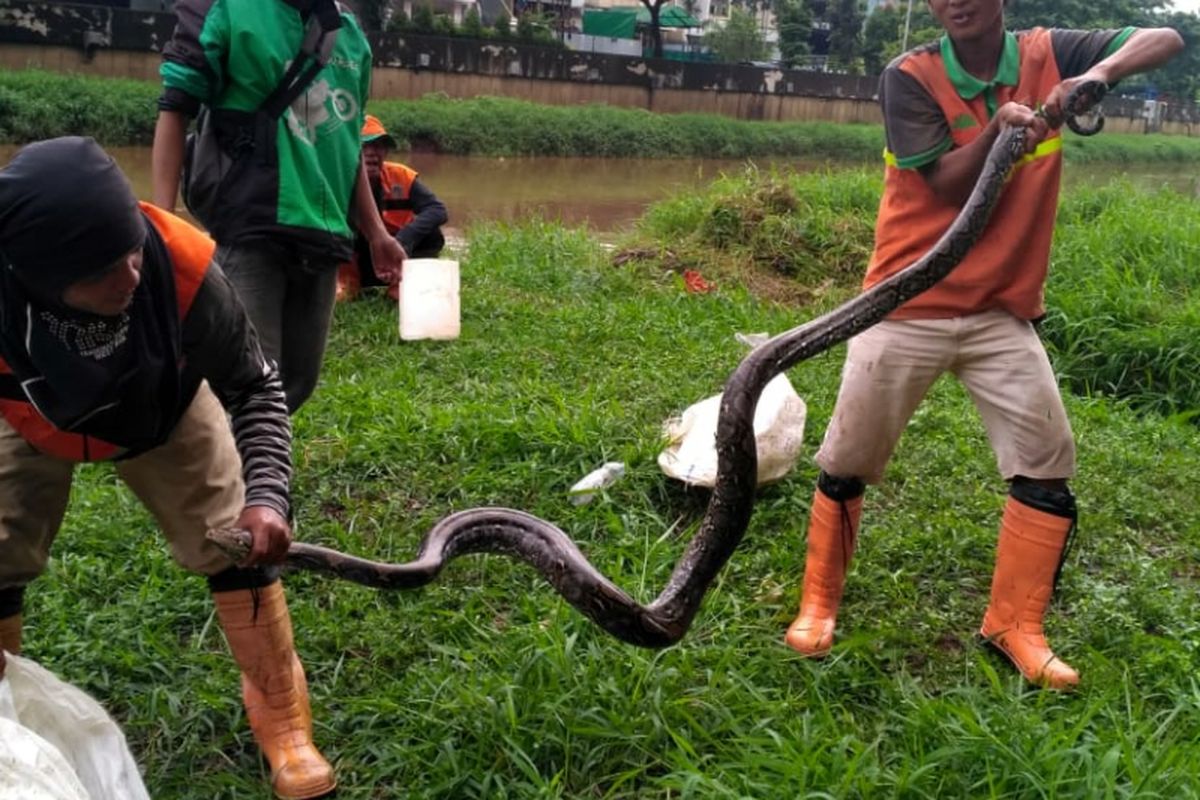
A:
{"x": 790, "y": 238}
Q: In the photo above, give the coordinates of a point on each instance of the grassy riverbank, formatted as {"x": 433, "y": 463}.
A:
{"x": 486, "y": 685}
{"x": 1122, "y": 305}
{"x": 37, "y": 105}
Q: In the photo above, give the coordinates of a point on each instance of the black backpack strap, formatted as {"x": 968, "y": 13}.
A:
{"x": 320, "y": 36}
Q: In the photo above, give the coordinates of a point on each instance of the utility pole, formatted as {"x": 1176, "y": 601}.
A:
{"x": 907, "y": 17}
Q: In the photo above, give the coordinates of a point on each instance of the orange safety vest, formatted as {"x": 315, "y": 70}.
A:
{"x": 191, "y": 252}
{"x": 396, "y": 182}
{"x": 1007, "y": 267}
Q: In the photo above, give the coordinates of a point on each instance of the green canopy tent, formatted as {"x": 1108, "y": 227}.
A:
{"x": 616, "y": 23}
{"x": 622, "y": 23}
{"x": 669, "y": 17}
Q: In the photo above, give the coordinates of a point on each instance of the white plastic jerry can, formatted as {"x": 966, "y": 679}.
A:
{"x": 429, "y": 306}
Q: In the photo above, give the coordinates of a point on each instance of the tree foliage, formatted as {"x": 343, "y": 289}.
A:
{"x": 1181, "y": 77}
{"x": 502, "y": 25}
{"x": 527, "y": 26}
{"x": 883, "y": 28}
{"x": 1023, "y": 14}
{"x": 472, "y": 24}
{"x": 795, "y": 20}
{"x": 845, "y": 19}
{"x": 372, "y": 14}
{"x": 423, "y": 20}
{"x": 739, "y": 40}
{"x": 399, "y": 21}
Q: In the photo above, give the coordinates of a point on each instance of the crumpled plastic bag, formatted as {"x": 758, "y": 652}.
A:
{"x": 32, "y": 769}
{"x": 691, "y": 451}
{"x": 57, "y": 742}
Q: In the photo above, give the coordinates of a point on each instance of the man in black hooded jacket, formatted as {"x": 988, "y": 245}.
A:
{"x": 122, "y": 340}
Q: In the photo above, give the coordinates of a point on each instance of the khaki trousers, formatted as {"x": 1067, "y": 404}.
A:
{"x": 190, "y": 483}
{"x": 999, "y": 359}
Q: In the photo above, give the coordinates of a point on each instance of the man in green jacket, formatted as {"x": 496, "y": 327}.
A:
{"x": 282, "y": 228}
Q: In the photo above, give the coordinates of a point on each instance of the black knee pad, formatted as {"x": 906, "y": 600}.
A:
{"x": 12, "y": 600}
{"x": 1048, "y": 501}
{"x": 236, "y": 578}
{"x": 840, "y": 489}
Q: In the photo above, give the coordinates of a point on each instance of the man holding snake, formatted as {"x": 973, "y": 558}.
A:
{"x": 944, "y": 104}
{"x": 122, "y": 340}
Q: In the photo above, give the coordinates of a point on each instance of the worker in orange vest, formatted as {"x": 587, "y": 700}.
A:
{"x": 944, "y": 104}
{"x": 121, "y": 339}
{"x": 410, "y": 212}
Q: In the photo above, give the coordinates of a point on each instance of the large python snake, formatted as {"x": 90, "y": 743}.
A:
{"x": 549, "y": 550}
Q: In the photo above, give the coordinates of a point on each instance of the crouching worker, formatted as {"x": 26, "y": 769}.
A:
{"x": 122, "y": 340}
{"x": 411, "y": 213}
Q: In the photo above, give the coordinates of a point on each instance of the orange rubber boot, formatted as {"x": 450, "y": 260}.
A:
{"x": 348, "y": 282}
{"x": 274, "y": 690}
{"x": 832, "y": 531}
{"x": 1027, "y": 558}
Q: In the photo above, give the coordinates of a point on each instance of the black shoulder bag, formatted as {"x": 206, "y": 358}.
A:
{"x": 230, "y": 164}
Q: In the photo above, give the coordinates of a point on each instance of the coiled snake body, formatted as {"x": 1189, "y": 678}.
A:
{"x": 545, "y": 547}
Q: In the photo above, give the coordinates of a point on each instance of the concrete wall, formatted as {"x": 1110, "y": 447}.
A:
{"x": 116, "y": 42}
{"x": 107, "y": 63}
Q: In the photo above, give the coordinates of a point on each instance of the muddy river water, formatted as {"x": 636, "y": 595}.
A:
{"x": 608, "y": 194}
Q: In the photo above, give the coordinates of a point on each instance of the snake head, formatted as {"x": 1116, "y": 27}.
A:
{"x": 233, "y": 542}
{"x": 1085, "y": 99}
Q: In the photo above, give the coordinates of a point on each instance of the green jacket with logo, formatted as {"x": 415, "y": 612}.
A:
{"x": 230, "y": 55}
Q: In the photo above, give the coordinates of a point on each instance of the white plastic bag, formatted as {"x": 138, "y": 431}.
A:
{"x": 691, "y": 452}
{"x": 585, "y": 490}
{"x": 32, "y": 769}
{"x": 57, "y": 742}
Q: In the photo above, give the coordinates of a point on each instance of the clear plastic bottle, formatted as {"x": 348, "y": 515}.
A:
{"x": 585, "y": 491}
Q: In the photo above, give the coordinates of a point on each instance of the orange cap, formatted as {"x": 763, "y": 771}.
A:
{"x": 373, "y": 129}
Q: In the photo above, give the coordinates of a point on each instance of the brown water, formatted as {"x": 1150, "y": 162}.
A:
{"x": 606, "y": 193}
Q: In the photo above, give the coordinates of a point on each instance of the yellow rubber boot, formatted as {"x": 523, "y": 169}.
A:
{"x": 832, "y": 531}
{"x": 274, "y": 690}
{"x": 1027, "y": 558}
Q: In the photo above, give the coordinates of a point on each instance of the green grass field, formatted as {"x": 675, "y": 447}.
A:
{"x": 487, "y": 685}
